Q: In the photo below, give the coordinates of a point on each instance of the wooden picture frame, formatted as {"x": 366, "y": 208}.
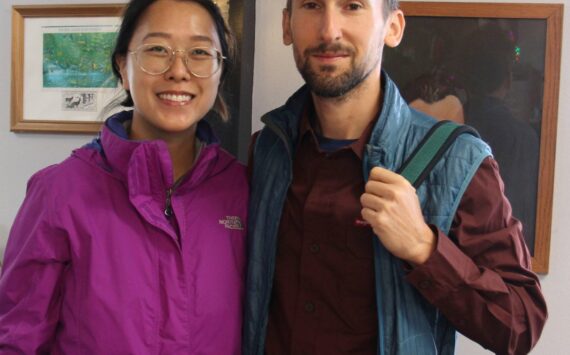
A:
{"x": 441, "y": 49}
{"x": 238, "y": 88}
{"x": 61, "y": 100}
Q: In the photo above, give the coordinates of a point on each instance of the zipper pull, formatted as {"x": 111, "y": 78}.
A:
{"x": 168, "y": 212}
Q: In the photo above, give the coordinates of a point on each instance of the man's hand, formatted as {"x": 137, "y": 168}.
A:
{"x": 392, "y": 208}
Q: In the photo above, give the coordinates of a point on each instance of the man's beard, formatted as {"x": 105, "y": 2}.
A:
{"x": 331, "y": 86}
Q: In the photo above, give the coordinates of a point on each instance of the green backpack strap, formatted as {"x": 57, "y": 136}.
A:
{"x": 439, "y": 138}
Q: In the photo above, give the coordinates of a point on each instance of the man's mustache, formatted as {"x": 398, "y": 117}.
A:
{"x": 328, "y": 48}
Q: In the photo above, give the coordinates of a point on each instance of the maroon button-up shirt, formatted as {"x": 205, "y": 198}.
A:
{"x": 323, "y": 299}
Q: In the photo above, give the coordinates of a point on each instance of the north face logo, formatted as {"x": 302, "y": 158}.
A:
{"x": 232, "y": 222}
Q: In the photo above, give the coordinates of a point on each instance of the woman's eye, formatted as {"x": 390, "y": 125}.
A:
{"x": 201, "y": 52}
{"x": 156, "y": 50}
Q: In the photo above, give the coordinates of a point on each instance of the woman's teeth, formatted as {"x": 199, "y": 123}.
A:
{"x": 176, "y": 98}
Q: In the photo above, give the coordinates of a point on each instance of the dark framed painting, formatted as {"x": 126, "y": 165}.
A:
{"x": 495, "y": 67}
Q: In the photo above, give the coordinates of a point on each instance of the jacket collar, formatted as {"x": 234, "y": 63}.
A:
{"x": 128, "y": 158}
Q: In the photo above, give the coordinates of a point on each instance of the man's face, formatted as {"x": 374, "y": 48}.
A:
{"x": 336, "y": 43}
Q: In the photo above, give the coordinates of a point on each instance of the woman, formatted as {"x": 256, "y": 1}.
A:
{"x": 135, "y": 244}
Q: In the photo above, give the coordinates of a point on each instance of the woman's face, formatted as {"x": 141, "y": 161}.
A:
{"x": 170, "y": 104}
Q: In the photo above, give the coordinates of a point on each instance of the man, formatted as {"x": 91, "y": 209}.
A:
{"x": 339, "y": 266}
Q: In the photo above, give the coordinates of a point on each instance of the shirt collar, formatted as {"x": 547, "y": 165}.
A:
{"x": 308, "y": 118}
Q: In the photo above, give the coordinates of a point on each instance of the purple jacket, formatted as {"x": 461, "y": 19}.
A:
{"x": 93, "y": 265}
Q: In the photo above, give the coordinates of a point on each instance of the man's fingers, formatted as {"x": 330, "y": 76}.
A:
{"x": 384, "y": 175}
{"x": 385, "y": 183}
{"x": 369, "y": 200}
{"x": 368, "y": 215}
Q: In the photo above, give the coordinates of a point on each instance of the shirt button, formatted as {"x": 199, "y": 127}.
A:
{"x": 425, "y": 284}
{"x": 309, "y": 307}
{"x": 315, "y": 248}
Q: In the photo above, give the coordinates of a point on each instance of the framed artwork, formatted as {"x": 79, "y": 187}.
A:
{"x": 495, "y": 67}
{"x": 61, "y": 72}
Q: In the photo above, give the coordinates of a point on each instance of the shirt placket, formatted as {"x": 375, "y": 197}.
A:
{"x": 319, "y": 229}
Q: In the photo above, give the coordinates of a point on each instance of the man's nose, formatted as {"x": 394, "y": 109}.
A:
{"x": 331, "y": 26}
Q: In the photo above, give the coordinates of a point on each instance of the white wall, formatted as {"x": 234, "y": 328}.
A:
{"x": 22, "y": 154}
{"x": 275, "y": 77}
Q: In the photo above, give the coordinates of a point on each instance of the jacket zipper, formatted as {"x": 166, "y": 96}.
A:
{"x": 168, "y": 211}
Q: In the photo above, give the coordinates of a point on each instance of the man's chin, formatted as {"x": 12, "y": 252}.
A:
{"x": 328, "y": 90}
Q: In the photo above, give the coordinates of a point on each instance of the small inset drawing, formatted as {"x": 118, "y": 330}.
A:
{"x": 79, "y": 101}
{"x": 78, "y": 60}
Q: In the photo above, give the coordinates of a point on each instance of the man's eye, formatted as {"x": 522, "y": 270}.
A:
{"x": 310, "y": 5}
{"x": 353, "y": 6}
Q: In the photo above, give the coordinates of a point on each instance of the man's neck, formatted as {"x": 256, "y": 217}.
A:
{"x": 348, "y": 116}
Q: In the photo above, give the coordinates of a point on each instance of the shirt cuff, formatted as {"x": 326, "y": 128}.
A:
{"x": 446, "y": 270}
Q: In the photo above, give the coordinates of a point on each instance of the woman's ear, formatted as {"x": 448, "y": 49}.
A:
{"x": 121, "y": 62}
{"x": 395, "y": 28}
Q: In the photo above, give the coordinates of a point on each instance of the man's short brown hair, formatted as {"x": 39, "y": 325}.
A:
{"x": 389, "y": 5}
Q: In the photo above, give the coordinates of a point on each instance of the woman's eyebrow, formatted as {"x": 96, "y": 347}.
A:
{"x": 199, "y": 38}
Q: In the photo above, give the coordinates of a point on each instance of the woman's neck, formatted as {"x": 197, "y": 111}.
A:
{"x": 183, "y": 155}
{"x": 181, "y": 145}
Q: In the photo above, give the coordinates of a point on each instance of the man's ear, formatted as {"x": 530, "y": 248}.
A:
{"x": 122, "y": 64}
{"x": 286, "y": 24}
{"x": 395, "y": 28}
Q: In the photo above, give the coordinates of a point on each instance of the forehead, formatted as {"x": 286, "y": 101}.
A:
{"x": 376, "y": 7}
{"x": 177, "y": 20}
{"x": 370, "y": 2}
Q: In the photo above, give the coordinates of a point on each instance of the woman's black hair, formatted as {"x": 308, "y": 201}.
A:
{"x": 133, "y": 12}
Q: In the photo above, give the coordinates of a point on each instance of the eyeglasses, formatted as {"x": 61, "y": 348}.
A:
{"x": 156, "y": 59}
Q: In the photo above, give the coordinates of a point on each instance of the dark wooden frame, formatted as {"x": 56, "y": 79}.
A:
{"x": 552, "y": 14}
